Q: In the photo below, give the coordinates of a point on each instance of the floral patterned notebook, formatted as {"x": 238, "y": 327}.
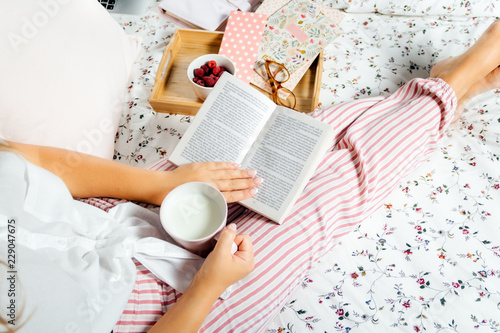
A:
{"x": 294, "y": 35}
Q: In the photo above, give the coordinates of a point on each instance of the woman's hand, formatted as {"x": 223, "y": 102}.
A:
{"x": 234, "y": 184}
{"x": 221, "y": 268}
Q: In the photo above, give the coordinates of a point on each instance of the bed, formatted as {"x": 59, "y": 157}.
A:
{"x": 429, "y": 258}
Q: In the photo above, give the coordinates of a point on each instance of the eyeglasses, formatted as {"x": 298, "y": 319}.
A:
{"x": 276, "y": 74}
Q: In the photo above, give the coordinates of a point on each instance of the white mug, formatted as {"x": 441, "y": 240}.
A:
{"x": 192, "y": 214}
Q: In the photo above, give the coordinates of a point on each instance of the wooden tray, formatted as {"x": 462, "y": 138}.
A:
{"x": 172, "y": 92}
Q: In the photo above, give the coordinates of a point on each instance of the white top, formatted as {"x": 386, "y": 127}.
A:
{"x": 73, "y": 266}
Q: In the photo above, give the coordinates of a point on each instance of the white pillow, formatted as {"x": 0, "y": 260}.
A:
{"x": 64, "y": 67}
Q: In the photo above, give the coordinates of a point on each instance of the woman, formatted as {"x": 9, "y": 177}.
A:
{"x": 378, "y": 141}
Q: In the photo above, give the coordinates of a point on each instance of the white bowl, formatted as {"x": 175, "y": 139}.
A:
{"x": 202, "y": 92}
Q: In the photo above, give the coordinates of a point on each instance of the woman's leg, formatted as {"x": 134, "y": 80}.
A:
{"x": 378, "y": 144}
{"x": 382, "y": 142}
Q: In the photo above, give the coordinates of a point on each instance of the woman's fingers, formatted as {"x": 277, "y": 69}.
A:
{"x": 238, "y": 189}
{"x": 237, "y": 184}
{"x": 217, "y": 165}
{"x": 233, "y": 174}
{"x": 234, "y": 196}
{"x": 222, "y": 170}
{"x": 245, "y": 250}
{"x": 244, "y": 243}
{"x": 237, "y": 181}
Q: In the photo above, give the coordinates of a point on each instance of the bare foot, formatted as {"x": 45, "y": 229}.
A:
{"x": 463, "y": 71}
{"x": 489, "y": 82}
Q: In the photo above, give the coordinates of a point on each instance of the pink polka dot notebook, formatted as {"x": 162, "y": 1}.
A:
{"x": 241, "y": 41}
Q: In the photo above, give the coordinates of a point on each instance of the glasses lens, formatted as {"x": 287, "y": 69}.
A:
{"x": 260, "y": 68}
{"x": 286, "y": 98}
{"x": 279, "y": 72}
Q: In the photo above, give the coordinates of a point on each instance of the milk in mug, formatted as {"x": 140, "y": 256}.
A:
{"x": 193, "y": 216}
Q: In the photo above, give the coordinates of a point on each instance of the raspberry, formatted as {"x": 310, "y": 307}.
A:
{"x": 199, "y": 72}
{"x": 207, "y": 75}
{"x": 209, "y": 82}
{"x": 221, "y": 70}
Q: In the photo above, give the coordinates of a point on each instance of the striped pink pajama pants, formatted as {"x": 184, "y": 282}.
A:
{"x": 378, "y": 142}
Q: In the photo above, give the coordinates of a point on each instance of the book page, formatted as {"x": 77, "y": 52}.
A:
{"x": 226, "y": 125}
{"x": 285, "y": 155}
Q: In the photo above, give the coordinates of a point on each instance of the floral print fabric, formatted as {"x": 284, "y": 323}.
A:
{"x": 425, "y": 7}
{"x": 429, "y": 259}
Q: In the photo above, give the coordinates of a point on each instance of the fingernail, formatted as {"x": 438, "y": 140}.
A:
{"x": 231, "y": 226}
{"x": 257, "y": 181}
{"x": 251, "y": 173}
{"x": 253, "y": 191}
{"x": 236, "y": 165}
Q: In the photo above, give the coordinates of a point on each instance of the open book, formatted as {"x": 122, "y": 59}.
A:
{"x": 237, "y": 123}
